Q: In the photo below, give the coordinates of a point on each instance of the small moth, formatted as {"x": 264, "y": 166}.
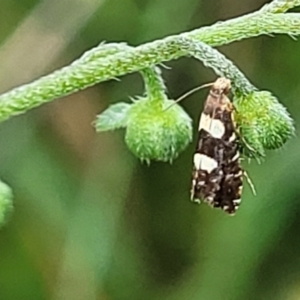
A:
{"x": 217, "y": 172}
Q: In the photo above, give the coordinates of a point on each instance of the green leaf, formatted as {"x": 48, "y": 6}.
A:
{"x": 114, "y": 117}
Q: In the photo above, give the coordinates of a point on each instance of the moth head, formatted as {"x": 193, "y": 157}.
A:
{"x": 221, "y": 86}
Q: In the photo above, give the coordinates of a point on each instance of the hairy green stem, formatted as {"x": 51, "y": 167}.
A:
{"x": 91, "y": 69}
{"x": 211, "y": 58}
{"x": 154, "y": 84}
{"x": 222, "y": 66}
{"x": 280, "y": 6}
{"x": 246, "y": 27}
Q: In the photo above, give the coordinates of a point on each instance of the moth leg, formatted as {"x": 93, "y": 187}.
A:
{"x": 250, "y": 183}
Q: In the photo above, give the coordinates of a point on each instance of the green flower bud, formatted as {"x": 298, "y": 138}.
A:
{"x": 264, "y": 122}
{"x": 6, "y": 202}
{"x": 156, "y": 131}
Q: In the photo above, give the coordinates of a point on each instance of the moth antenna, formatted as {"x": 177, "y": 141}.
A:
{"x": 190, "y": 92}
{"x": 250, "y": 183}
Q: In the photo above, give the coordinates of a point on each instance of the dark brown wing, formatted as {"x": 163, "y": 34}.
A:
{"x": 228, "y": 196}
{"x": 217, "y": 174}
{"x": 206, "y": 183}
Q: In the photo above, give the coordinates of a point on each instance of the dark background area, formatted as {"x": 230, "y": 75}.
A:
{"x": 91, "y": 221}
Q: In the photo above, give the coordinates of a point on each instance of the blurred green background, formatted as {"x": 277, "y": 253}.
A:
{"x": 91, "y": 221}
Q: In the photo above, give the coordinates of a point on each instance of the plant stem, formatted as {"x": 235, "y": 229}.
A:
{"x": 87, "y": 71}
{"x": 222, "y": 66}
{"x": 280, "y": 6}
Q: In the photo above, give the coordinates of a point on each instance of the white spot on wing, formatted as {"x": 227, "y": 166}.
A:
{"x": 205, "y": 121}
{"x": 232, "y": 138}
{"x": 213, "y": 126}
{"x": 236, "y": 201}
{"x": 237, "y": 155}
{"x": 217, "y": 129}
{"x": 239, "y": 174}
{"x": 210, "y": 200}
{"x": 205, "y": 163}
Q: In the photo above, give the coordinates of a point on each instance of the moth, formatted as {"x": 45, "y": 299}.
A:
{"x": 217, "y": 177}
